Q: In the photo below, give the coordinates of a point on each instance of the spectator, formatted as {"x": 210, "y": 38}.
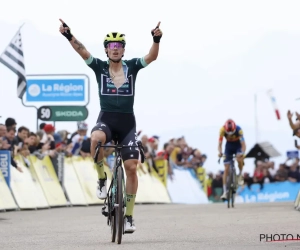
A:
{"x": 151, "y": 154}
{"x": 2, "y": 130}
{"x": 32, "y": 142}
{"x": 77, "y": 131}
{"x": 217, "y": 183}
{"x": 10, "y": 136}
{"x": 258, "y": 176}
{"x": 248, "y": 181}
{"x": 6, "y": 143}
{"x": 175, "y": 157}
{"x": 165, "y": 154}
{"x": 293, "y": 174}
{"x": 195, "y": 159}
{"x": 11, "y": 122}
{"x": 48, "y": 136}
{"x": 21, "y": 137}
{"x": 78, "y": 138}
{"x": 267, "y": 176}
{"x": 42, "y": 125}
{"x": 281, "y": 174}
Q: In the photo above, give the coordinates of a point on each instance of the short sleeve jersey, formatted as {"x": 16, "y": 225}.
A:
{"x": 114, "y": 99}
{"x": 238, "y": 134}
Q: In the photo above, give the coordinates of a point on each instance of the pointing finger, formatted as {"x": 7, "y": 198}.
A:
{"x": 158, "y": 25}
{"x": 61, "y": 21}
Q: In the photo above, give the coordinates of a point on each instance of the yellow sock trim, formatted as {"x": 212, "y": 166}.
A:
{"x": 100, "y": 170}
{"x": 130, "y": 201}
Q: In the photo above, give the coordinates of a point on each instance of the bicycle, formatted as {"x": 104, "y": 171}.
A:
{"x": 231, "y": 184}
{"x": 115, "y": 201}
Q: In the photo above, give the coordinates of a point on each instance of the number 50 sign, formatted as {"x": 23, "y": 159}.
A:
{"x": 62, "y": 113}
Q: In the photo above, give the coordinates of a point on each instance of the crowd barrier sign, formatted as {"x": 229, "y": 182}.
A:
{"x": 162, "y": 166}
{"x": 49, "y": 181}
{"x": 7, "y": 201}
{"x": 87, "y": 175}
{"x": 72, "y": 185}
{"x": 184, "y": 188}
{"x": 73, "y": 180}
{"x": 39, "y": 192}
{"x": 201, "y": 175}
{"x": 23, "y": 188}
{"x": 271, "y": 192}
{"x": 5, "y": 164}
{"x": 159, "y": 188}
{"x": 150, "y": 187}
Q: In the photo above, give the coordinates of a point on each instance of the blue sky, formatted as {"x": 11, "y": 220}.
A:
{"x": 214, "y": 57}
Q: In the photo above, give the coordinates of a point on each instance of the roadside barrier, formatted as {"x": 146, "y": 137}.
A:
{"x": 72, "y": 181}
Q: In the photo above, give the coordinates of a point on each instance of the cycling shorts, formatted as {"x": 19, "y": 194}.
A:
{"x": 120, "y": 127}
{"x": 232, "y": 148}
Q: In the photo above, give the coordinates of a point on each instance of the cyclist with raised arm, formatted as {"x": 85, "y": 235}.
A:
{"x": 116, "y": 85}
{"x": 235, "y": 145}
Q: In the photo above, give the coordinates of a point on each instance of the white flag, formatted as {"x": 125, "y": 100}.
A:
{"x": 13, "y": 58}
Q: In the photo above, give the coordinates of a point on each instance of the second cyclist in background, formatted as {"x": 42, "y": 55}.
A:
{"x": 235, "y": 144}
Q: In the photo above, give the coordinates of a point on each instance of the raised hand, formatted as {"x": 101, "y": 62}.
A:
{"x": 65, "y": 30}
{"x": 289, "y": 114}
{"x": 156, "y": 33}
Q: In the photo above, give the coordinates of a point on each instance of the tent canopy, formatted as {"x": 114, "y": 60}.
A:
{"x": 262, "y": 151}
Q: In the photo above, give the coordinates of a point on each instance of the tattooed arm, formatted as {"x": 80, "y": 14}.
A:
{"x": 79, "y": 47}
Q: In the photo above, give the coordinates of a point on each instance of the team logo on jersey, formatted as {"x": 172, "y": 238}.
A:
{"x": 108, "y": 87}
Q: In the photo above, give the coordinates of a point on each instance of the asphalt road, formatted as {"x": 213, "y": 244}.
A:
{"x": 173, "y": 227}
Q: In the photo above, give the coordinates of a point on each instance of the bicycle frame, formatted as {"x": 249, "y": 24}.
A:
{"x": 113, "y": 192}
{"x": 231, "y": 182}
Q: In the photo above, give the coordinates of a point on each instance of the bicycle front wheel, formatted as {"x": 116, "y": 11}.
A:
{"x": 112, "y": 215}
{"x": 120, "y": 208}
{"x": 229, "y": 187}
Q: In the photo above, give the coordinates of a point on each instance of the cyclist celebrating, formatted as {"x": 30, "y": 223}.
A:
{"x": 235, "y": 145}
{"x": 116, "y": 83}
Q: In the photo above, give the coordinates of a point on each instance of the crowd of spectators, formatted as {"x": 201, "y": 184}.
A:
{"x": 48, "y": 141}
{"x": 177, "y": 152}
{"x": 264, "y": 172}
{"x": 45, "y": 141}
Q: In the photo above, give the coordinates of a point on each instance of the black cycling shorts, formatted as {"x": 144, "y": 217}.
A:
{"x": 120, "y": 127}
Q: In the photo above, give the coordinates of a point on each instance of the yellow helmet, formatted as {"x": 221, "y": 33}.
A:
{"x": 114, "y": 37}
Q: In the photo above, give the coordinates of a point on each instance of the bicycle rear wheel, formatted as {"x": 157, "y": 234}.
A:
{"x": 120, "y": 209}
{"x": 234, "y": 180}
{"x": 229, "y": 195}
{"x": 229, "y": 187}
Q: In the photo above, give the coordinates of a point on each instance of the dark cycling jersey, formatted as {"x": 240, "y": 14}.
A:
{"x": 114, "y": 99}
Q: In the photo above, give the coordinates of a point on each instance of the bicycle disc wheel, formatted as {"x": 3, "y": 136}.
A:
{"x": 119, "y": 208}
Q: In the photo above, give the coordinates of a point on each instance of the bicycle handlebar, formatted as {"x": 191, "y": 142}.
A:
{"x": 119, "y": 147}
{"x": 233, "y": 156}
